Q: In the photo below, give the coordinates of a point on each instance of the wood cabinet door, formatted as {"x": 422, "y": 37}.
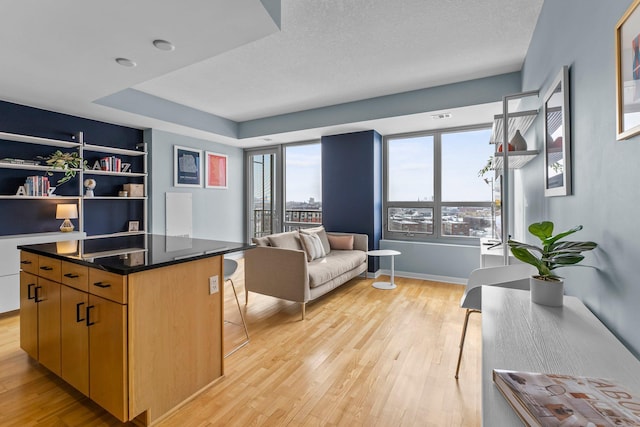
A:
{"x": 47, "y": 295}
{"x": 74, "y": 338}
{"x": 108, "y": 355}
{"x": 28, "y": 314}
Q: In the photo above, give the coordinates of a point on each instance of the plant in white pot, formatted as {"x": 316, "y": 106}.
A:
{"x": 547, "y": 288}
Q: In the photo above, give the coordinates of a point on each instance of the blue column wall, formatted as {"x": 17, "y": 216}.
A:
{"x": 352, "y": 186}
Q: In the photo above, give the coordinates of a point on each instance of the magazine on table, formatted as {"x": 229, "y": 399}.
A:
{"x": 550, "y": 400}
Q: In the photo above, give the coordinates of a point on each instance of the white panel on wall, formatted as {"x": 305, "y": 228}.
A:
{"x": 179, "y": 214}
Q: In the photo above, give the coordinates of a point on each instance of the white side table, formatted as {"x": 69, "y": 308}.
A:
{"x": 392, "y": 254}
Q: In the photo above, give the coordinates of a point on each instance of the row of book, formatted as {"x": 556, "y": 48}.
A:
{"x": 36, "y": 186}
{"x": 111, "y": 163}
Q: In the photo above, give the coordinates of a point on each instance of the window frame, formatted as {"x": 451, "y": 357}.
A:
{"x": 437, "y": 204}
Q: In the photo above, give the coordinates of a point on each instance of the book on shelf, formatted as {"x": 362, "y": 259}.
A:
{"x": 111, "y": 163}
{"x": 550, "y": 400}
{"x": 37, "y": 186}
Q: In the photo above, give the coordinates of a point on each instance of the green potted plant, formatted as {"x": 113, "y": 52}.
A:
{"x": 70, "y": 163}
{"x": 547, "y": 288}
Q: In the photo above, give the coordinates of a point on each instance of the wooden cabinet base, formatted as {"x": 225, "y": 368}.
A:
{"x": 140, "y": 349}
{"x": 175, "y": 335}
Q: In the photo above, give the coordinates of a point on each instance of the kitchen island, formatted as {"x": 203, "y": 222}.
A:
{"x": 133, "y": 322}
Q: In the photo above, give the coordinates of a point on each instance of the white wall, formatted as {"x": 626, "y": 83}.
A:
{"x": 217, "y": 214}
{"x": 580, "y": 34}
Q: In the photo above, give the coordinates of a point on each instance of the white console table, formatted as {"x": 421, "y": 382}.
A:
{"x": 520, "y": 335}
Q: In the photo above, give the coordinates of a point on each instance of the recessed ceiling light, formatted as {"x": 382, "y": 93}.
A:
{"x": 441, "y": 116}
{"x": 126, "y": 62}
{"x": 163, "y": 45}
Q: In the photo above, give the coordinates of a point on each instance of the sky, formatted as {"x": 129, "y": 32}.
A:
{"x": 411, "y": 168}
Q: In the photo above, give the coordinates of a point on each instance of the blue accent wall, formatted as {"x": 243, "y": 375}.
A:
{"x": 38, "y": 216}
{"x": 352, "y": 185}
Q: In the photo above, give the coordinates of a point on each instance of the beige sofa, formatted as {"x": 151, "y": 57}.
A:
{"x": 282, "y": 265}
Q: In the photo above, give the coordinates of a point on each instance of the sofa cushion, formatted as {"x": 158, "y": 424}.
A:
{"x": 312, "y": 246}
{"x": 334, "y": 264}
{"x": 320, "y": 231}
{"x": 340, "y": 242}
{"x": 261, "y": 241}
{"x": 287, "y": 240}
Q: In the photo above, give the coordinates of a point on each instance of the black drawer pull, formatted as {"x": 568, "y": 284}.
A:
{"x": 102, "y": 285}
{"x": 29, "y": 287}
{"x": 71, "y": 276}
{"x": 78, "y": 319}
{"x": 25, "y": 262}
{"x": 45, "y": 268}
{"x": 37, "y": 296}
{"x": 89, "y": 322}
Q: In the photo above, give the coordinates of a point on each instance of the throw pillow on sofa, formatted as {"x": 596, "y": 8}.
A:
{"x": 312, "y": 246}
{"x": 320, "y": 231}
{"x": 287, "y": 240}
{"x": 340, "y": 243}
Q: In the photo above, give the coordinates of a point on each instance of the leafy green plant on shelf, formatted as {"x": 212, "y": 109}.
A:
{"x": 70, "y": 163}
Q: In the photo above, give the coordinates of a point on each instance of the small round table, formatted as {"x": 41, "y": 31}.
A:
{"x": 385, "y": 252}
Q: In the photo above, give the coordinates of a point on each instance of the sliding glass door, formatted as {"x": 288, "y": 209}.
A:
{"x": 263, "y": 198}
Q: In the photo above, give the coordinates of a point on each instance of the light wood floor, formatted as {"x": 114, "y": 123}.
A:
{"x": 363, "y": 357}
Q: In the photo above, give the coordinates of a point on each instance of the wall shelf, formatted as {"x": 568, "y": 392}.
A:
{"x": 112, "y": 150}
{"x": 37, "y": 140}
{"x": 517, "y": 159}
{"x": 516, "y": 121}
{"x": 113, "y": 173}
{"x": 14, "y": 197}
{"x": 114, "y": 198}
{"x": 28, "y": 167}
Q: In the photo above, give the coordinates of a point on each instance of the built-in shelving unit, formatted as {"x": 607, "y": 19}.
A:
{"x": 86, "y": 152}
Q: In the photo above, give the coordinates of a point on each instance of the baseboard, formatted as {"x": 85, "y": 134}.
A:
{"x": 409, "y": 275}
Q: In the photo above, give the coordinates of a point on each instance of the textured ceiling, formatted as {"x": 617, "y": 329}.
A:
{"x": 232, "y": 61}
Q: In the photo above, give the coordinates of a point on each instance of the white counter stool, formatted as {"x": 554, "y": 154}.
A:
{"x": 230, "y": 267}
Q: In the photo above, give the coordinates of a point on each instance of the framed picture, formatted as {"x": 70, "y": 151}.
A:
{"x": 134, "y": 225}
{"x": 557, "y": 140}
{"x": 187, "y": 167}
{"x": 628, "y": 73}
{"x": 216, "y": 170}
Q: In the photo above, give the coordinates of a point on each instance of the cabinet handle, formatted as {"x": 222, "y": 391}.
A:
{"x": 45, "y": 268}
{"x": 37, "y": 296}
{"x": 29, "y": 287}
{"x": 78, "y": 319}
{"x": 89, "y": 322}
{"x": 25, "y": 262}
{"x": 102, "y": 285}
{"x": 71, "y": 276}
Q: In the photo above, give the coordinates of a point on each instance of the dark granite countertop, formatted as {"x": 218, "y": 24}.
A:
{"x": 134, "y": 253}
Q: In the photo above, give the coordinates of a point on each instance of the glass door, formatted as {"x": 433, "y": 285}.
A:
{"x": 263, "y": 200}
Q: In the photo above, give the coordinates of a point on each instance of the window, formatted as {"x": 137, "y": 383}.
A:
{"x": 433, "y": 188}
{"x": 303, "y": 186}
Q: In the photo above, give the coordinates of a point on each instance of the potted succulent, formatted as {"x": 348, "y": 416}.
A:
{"x": 68, "y": 162}
{"x": 547, "y": 288}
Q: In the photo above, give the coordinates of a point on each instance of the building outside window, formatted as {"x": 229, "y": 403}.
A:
{"x": 433, "y": 189}
{"x": 303, "y": 186}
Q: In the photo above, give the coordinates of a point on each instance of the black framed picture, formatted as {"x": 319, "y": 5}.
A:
{"x": 187, "y": 167}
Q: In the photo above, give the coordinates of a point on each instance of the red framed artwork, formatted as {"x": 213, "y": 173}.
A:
{"x": 216, "y": 170}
